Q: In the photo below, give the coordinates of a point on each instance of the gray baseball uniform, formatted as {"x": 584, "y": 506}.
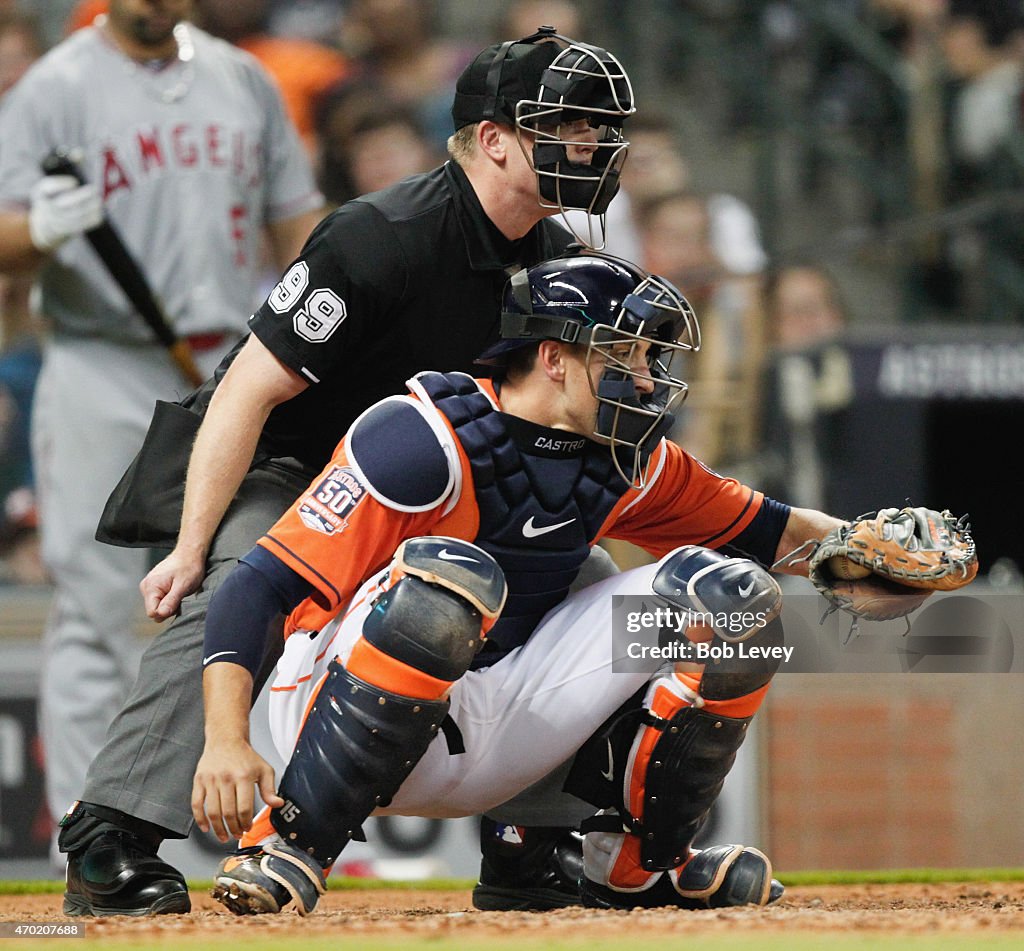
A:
{"x": 192, "y": 158}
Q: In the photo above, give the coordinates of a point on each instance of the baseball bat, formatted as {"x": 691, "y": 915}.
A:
{"x": 129, "y": 276}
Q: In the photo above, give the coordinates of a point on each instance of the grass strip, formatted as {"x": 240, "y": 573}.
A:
{"x": 920, "y": 876}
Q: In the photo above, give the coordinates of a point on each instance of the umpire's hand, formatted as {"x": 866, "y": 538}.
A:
{"x": 178, "y": 575}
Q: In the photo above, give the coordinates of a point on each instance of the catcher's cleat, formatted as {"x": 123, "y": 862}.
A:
{"x": 721, "y": 876}
{"x": 262, "y": 879}
{"x": 527, "y": 868}
{"x": 115, "y": 874}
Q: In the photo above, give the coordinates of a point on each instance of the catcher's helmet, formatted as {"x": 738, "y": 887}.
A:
{"x": 546, "y": 85}
{"x": 602, "y": 302}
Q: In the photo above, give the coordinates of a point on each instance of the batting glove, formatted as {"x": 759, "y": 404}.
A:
{"x": 62, "y": 208}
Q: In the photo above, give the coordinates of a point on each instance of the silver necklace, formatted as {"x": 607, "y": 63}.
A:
{"x": 154, "y": 76}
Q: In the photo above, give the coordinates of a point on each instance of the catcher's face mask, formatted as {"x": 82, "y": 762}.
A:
{"x": 633, "y": 420}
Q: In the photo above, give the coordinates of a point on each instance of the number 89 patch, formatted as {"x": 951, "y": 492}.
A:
{"x": 327, "y": 507}
{"x": 321, "y": 312}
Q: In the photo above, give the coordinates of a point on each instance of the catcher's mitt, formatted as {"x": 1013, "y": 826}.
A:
{"x": 910, "y": 553}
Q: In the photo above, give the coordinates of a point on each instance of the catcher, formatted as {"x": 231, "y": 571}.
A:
{"x": 436, "y": 665}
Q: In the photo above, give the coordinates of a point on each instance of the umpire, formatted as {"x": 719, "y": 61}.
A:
{"x": 391, "y": 283}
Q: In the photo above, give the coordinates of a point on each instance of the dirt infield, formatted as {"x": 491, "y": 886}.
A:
{"x": 970, "y": 912}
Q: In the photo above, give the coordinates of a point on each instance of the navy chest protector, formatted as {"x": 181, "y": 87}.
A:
{"x": 543, "y": 495}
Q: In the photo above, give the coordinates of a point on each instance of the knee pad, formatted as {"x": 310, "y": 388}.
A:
{"x": 442, "y": 597}
{"x": 740, "y": 602}
{"x": 735, "y": 597}
{"x": 356, "y": 748}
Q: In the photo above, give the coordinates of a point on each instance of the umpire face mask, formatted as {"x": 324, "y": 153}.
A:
{"x": 574, "y": 133}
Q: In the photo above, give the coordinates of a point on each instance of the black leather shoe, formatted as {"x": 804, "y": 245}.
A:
{"x": 528, "y": 868}
{"x": 115, "y": 874}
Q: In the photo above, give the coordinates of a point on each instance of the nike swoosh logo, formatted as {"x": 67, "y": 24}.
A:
{"x": 609, "y": 773}
{"x": 745, "y": 591}
{"x": 532, "y": 531}
{"x": 446, "y": 555}
{"x": 207, "y": 660}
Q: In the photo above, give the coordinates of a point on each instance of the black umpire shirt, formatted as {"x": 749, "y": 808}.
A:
{"x": 402, "y": 280}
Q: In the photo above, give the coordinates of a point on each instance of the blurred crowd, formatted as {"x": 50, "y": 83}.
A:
{"x": 928, "y": 95}
{"x": 930, "y": 90}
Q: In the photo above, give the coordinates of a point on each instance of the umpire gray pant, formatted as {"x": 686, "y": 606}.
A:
{"x": 147, "y": 762}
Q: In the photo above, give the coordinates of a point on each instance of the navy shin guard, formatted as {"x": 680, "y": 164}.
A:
{"x": 355, "y": 750}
